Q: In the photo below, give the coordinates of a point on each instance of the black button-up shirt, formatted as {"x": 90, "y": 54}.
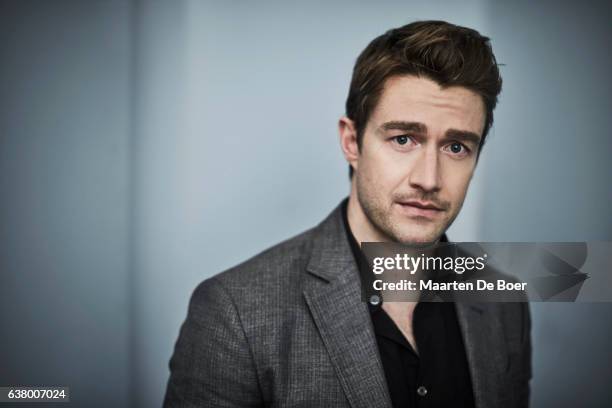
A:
{"x": 438, "y": 376}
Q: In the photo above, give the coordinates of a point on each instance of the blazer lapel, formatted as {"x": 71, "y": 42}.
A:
{"x": 485, "y": 350}
{"x": 333, "y": 294}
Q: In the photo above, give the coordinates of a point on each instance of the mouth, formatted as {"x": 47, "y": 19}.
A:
{"x": 415, "y": 208}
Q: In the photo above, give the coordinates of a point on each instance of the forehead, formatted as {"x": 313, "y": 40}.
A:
{"x": 418, "y": 99}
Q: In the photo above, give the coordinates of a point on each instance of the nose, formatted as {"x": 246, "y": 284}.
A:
{"x": 425, "y": 173}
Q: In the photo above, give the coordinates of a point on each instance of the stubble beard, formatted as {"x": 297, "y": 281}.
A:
{"x": 379, "y": 214}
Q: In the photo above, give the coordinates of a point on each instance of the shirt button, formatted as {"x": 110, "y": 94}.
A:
{"x": 422, "y": 391}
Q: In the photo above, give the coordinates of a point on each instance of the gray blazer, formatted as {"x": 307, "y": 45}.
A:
{"x": 288, "y": 328}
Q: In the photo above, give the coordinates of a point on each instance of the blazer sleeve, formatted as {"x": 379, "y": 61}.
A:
{"x": 212, "y": 364}
{"x": 523, "y": 373}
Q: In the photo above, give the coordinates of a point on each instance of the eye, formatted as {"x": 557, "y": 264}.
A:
{"x": 403, "y": 139}
{"x": 404, "y": 143}
{"x": 457, "y": 149}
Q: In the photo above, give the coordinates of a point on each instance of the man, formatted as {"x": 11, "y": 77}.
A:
{"x": 289, "y": 327}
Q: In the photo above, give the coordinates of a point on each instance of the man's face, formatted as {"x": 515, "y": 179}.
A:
{"x": 417, "y": 157}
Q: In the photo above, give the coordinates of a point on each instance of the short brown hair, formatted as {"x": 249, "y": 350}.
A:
{"x": 448, "y": 54}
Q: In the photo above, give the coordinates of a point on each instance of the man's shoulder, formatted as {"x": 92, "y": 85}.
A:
{"x": 508, "y": 310}
{"x": 278, "y": 269}
{"x": 514, "y": 318}
{"x": 283, "y": 258}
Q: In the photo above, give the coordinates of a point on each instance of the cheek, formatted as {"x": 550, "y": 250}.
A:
{"x": 457, "y": 179}
{"x": 384, "y": 168}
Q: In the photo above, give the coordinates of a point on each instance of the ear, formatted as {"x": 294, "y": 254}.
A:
{"x": 348, "y": 141}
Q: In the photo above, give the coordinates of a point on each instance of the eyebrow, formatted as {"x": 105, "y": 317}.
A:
{"x": 418, "y": 127}
{"x": 463, "y": 135}
{"x": 402, "y": 125}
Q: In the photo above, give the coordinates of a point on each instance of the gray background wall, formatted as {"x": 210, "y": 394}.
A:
{"x": 145, "y": 146}
{"x": 64, "y": 197}
{"x": 549, "y": 175}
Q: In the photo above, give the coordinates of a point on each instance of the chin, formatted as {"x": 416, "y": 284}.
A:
{"x": 418, "y": 243}
{"x": 417, "y": 239}
{"x": 418, "y": 235}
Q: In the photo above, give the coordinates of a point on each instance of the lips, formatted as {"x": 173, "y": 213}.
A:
{"x": 415, "y": 208}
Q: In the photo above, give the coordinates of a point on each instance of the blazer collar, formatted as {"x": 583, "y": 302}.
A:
{"x": 333, "y": 296}
{"x": 485, "y": 349}
{"x": 331, "y": 255}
